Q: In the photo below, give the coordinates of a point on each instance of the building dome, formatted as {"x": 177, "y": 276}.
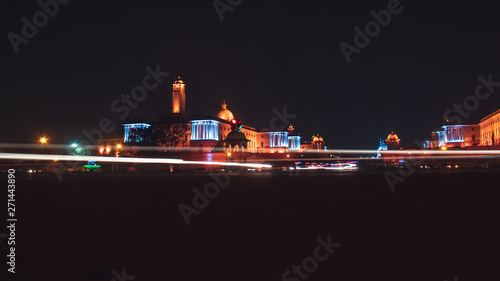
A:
{"x": 225, "y": 113}
{"x": 179, "y": 81}
{"x": 392, "y": 136}
{"x": 236, "y": 136}
{"x": 291, "y": 131}
{"x": 317, "y": 138}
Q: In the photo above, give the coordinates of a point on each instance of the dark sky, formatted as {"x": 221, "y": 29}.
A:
{"x": 264, "y": 55}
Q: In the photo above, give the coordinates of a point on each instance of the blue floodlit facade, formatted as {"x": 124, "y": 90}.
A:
{"x": 278, "y": 139}
{"x": 208, "y": 133}
{"x": 204, "y": 130}
{"x": 382, "y": 146}
{"x": 294, "y": 142}
{"x": 454, "y": 133}
{"x": 133, "y": 132}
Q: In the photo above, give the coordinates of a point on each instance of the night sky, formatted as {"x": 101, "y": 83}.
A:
{"x": 263, "y": 55}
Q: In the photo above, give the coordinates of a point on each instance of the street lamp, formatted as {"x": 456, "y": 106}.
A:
{"x": 43, "y": 140}
{"x": 74, "y": 145}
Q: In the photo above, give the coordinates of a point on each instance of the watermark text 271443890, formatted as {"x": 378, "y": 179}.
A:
{"x": 11, "y": 220}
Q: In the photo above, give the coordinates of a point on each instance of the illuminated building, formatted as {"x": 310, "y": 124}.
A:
{"x": 205, "y": 130}
{"x": 392, "y": 141}
{"x": 293, "y": 139}
{"x": 135, "y": 132}
{"x": 179, "y": 97}
{"x": 490, "y": 129}
{"x": 318, "y": 142}
{"x": 468, "y": 133}
{"x": 211, "y": 132}
{"x": 112, "y": 143}
{"x": 382, "y": 146}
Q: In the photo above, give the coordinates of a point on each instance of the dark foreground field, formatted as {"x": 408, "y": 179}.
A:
{"x": 434, "y": 226}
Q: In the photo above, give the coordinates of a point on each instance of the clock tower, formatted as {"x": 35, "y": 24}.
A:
{"x": 179, "y": 97}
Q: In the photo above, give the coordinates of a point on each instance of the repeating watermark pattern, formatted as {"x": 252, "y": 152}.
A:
{"x": 121, "y": 106}
{"x": 201, "y": 199}
{"x": 210, "y": 191}
{"x": 404, "y": 171}
{"x": 483, "y": 91}
{"x": 284, "y": 119}
{"x": 372, "y": 29}
{"x": 30, "y": 29}
{"x": 11, "y": 220}
{"x": 121, "y": 277}
{"x": 471, "y": 103}
{"x": 222, "y": 7}
{"x": 311, "y": 264}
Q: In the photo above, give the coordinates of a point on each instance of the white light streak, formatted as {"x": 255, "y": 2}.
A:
{"x": 52, "y": 157}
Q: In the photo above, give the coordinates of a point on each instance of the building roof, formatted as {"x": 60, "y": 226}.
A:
{"x": 463, "y": 123}
{"x": 490, "y": 115}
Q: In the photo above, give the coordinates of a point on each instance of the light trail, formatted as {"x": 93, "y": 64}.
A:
{"x": 71, "y": 158}
{"x": 127, "y": 147}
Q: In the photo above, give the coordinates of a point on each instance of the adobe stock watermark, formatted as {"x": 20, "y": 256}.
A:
{"x": 310, "y": 264}
{"x": 403, "y": 173}
{"x": 29, "y": 29}
{"x": 483, "y": 91}
{"x": 121, "y": 106}
{"x": 222, "y": 7}
{"x": 121, "y": 277}
{"x": 372, "y": 29}
{"x": 283, "y": 117}
{"x": 210, "y": 191}
{"x": 201, "y": 199}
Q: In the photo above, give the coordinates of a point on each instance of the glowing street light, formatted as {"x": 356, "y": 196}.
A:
{"x": 443, "y": 148}
{"x": 119, "y": 146}
{"x": 43, "y": 140}
{"x": 74, "y": 145}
